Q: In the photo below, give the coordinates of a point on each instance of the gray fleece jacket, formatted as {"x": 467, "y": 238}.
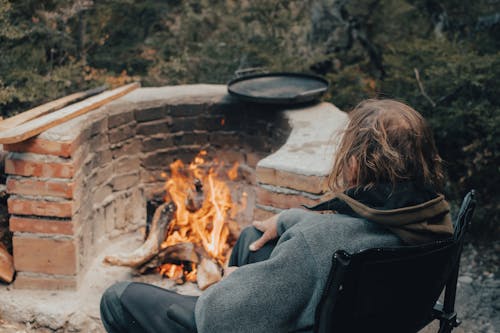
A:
{"x": 281, "y": 293}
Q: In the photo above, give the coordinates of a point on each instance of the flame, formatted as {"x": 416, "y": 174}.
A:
{"x": 207, "y": 226}
{"x": 179, "y": 272}
{"x": 233, "y": 172}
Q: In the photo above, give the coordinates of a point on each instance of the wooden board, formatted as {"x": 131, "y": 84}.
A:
{"x": 48, "y": 107}
{"x": 38, "y": 125}
{"x": 6, "y": 265}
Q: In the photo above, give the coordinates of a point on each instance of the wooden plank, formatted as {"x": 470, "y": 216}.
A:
{"x": 40, "y": 124}
{"x": 48, "y": 107}
{"x": 6, "y": 265}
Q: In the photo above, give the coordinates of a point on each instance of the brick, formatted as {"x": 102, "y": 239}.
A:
{"x": 126, "y": 181}
{"x": 30, "y": 186}
{"x": 41, "y": 226}
{"x": 102, "y": 174}
{"x": 98, "y": 127}
{"x": 162, "y": 159}
{"x": 190, "y": 138}
{"x": 42, "y": 146}
{"x": 157, "y": 143}
{"x": 311, "y": 184}
{"x": 261, "y": 214}
{"x": 121, "y": 118}
{"x": 45, "y": 282}
{"x": 101, "y": 194}
{"x": 89, "y": 164}
{"x": 39, "y": 168}
{"x": 40, "y": 207}
{"x": 155, "y": 127}
{"x": 122, "y": 133}
{"x": 225, "y": 138}
{"x": 247, "y": 174}
{"x": 231, "y": 156}
{"x": 127, "y": 210}
{"x": 109, "y": 217}
{"x": 103, "y": 156}
{"x": 186, "y": 124}
{"x": 183, "y": 110}
{"x": 151, "y": 114}
{"x": 153, "y": 176}
{"x": 281, "y": 200}
{"x": 252, "y": 158}
{"x": 211, "y": 123}
{"x": 126, "y": 164}
{"x": 96, "y": 143}
{"x": 130, "y": 147}
{"x": 257, "y": 141}
{"x": 45, "y": 255}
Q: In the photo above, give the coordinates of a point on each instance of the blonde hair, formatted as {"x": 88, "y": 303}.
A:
{"x": 386, "y": 141}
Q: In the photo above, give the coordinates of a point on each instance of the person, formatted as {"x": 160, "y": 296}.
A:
{"x": 386, "y": 182}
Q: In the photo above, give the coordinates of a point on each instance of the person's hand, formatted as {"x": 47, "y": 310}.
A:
{"x": 228, "y": 271}
{"x": 269, "y": 228}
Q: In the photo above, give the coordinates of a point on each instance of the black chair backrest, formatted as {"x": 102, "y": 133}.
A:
{"x": 390, "y": 289}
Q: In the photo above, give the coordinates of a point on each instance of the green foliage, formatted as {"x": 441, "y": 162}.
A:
{"x": 366, "y": 48}
{"x": 458, "y": 66}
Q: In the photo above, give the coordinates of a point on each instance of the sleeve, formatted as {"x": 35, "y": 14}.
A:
{"x": 267, "y": 296}
{"x": 289, "y": 218}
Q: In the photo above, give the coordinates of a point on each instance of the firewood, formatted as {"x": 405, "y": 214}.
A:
{"x": 172, "y": 254}
{"x": 208, "y": 273}
{"x": 6, "y": 265}
{"x": 194, "y": 200}
{"x": 44, "y": 109}
{"x": 150, "y": 248}
{"x": 179, "y": 252}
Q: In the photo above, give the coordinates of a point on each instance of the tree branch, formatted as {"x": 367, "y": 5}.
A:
{"x": 421, "y": 86}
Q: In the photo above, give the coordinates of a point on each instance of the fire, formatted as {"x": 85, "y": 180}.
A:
{"x": 204, "y": 205}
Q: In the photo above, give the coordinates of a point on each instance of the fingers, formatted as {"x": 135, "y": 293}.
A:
{"x": 259, "y": 243}
{"x": 229, "y": 270}
{"x": 259, "y": 225}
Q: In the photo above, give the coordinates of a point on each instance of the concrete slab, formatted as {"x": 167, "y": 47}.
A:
{"x": 305, "y": 161}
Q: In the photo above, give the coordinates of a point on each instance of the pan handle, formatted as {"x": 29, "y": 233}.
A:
{"x": 249, "y": 70}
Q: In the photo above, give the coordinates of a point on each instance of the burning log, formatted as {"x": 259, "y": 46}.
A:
{"x": 208, "y": 273}
{"x": 194, "y": 200}
{"x": 180, "y": 252}
{"x": 150, "y": 248}
{"x": 6, "y": 265}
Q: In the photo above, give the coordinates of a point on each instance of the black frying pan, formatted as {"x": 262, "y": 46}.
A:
{"x": 278, "y": 88}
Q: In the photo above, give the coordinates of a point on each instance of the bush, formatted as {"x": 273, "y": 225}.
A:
{"x": 366, "y": 48}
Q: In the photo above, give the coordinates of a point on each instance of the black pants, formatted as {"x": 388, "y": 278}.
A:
{"x": 128, "y": 307}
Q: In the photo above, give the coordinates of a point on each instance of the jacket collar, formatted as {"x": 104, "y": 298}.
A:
{"x": 415, "y": 213}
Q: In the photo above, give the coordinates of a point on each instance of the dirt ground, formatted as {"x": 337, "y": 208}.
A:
{"x": 478, "y": 297}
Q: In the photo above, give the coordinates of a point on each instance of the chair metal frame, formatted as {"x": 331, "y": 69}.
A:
{"x": 338, "y": 311}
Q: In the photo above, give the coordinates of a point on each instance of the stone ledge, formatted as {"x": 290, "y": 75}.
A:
{"x": 142, "y": 98}
{"x": 311, "y": 184}
{"x": 305, "y": 161}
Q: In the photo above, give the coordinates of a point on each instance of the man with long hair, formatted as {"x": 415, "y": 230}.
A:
{"x": 386, "y": 183}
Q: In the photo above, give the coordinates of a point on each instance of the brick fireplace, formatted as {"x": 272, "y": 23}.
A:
{"x": 77, "y": 185}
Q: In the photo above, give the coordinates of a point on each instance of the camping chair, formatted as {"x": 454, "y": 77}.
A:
{"x": 395, "y": 289}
